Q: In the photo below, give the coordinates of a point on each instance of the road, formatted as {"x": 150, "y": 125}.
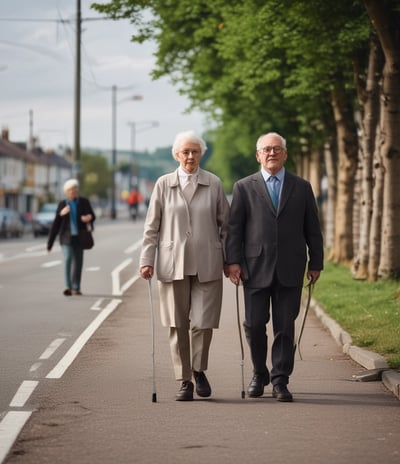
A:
{"x": 99, "y": 410}
{"x": 38, "y": 324}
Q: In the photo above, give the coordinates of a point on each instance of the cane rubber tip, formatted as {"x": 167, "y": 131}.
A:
{"x": 154, "y": 398}
{"x": 243, "y": 395}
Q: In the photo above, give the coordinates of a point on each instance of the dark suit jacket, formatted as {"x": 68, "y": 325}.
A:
{"x": 262, "y": 240}
{"x": 61, "y": 224}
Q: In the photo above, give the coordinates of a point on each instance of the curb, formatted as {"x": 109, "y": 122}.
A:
{"x": 368, "y": 359}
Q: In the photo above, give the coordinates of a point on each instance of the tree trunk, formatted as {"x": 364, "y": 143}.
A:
{"x": 348, "y": 153}
{"x": 385, "y": 18}
{"x": 329, "y": 194}
{"x": 315, "y": 171}
{"x": 376, "y": 219}
{"x": 356, "y": 226}
{"x": 368, "y": 95}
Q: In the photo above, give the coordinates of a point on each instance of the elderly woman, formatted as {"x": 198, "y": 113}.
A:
{"x": 186, "y": 224}
{"x": 73, "y": 213}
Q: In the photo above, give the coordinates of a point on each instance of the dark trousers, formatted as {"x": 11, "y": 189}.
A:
{"x": 73, "y": 262}
{"x": 284, "y": 305}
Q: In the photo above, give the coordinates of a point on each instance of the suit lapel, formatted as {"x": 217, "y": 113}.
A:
{"x": 288, "y": 184}
{"x": 261, "y": 190}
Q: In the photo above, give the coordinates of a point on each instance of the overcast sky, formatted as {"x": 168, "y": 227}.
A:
{"x": 37, "y": 66}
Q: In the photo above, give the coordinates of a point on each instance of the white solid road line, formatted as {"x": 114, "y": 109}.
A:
{"x": 116, "y": 287}
{"x": 80, "y": 342}
{"x": 24, "y": 391}
{"x": 10, "y": 427}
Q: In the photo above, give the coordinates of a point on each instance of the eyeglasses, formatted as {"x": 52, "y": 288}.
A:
{"x": 186, "y": 153}
{"x": 276, "y": 149}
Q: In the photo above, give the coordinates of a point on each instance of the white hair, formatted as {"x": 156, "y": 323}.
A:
{"x": 69, "y": 184}
{"x": 283, "y": 141}
{"x": 187, "y": 136}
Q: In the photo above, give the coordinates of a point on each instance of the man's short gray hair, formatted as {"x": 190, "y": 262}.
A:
{"x": 258, "y": 144}
{"x": 187, "y": 136}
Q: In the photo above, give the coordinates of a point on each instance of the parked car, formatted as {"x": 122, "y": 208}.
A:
{"x": 42, "y": 221}
{"x": 11, "y": 223}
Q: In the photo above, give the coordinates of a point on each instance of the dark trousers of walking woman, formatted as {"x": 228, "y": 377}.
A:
{"x": 73, "y": 261}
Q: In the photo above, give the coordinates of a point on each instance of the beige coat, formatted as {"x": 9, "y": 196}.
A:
{"x": 171, "y": 226}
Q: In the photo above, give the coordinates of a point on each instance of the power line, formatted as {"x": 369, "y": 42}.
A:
{"x": 48, "y": 20}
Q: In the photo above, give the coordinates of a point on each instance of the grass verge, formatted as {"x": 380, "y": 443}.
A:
{"x": 368, "y": 311}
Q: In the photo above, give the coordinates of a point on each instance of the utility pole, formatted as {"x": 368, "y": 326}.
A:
{"x": 114, "y": 150}
{"x": 77, "y": 101}
{"x": 31, "y": 143}
{"x": 133, "y": 171}
{"x": 114, "y": 104}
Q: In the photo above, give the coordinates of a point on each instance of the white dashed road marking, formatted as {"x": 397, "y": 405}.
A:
{"x": 23, "y": 393}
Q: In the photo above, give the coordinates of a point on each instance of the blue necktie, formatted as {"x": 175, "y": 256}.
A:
{"x": 273, "y": 189}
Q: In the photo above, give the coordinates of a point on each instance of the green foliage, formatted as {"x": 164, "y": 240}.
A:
{"x": 254, "y": 65}
{"x": 95, "y": 176}
{"x": 368, "y": 311}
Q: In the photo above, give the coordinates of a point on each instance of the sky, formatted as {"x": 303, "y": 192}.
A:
{"x": 37, "y": 74}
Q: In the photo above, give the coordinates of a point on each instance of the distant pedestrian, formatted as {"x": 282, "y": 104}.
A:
{"x": 273, "y": 232}
{"x": 73, "y": 213}
{"x": 186, "y": 226}
{"x": 134, "y": 200}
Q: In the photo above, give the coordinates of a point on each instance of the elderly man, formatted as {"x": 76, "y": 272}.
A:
{"x": 273, "y": 230}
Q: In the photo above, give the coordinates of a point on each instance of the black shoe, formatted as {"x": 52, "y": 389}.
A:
{"x": 76, "y": 292}
{"x": 257, "y": 384}
{"x": 185, "y": 393}
{"x": 203, "y": 388}
{"x": 67, "y": 292}
{"x": 281, "y": 393}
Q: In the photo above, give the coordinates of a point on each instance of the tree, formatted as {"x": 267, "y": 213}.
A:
{"x": 96, "y": 176}
{"x": 368, "y": 95}
{"x": 385, "y": 17}
{"x": 261, "y": 65}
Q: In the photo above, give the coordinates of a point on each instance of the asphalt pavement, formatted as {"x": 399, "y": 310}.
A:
{"x": 101, "y": 410}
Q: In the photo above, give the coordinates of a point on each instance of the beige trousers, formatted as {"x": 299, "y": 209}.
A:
{"x": 189, "y": 350}
{"x": 190, "y": 328}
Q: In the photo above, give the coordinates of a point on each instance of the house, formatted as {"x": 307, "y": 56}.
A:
{"x": 29, "y": 178}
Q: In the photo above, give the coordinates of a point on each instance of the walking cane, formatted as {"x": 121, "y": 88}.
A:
{"x": 303, "y": 322}
{"x": 154, "y": 395}
{"x": 240, "y": 338}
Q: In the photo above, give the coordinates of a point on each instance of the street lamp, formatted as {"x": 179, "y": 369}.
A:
{"x": 136, "y": 127}
{"x": 114, "y": 143}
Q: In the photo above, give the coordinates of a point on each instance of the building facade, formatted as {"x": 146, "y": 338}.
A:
{"x": 29, "y": 178}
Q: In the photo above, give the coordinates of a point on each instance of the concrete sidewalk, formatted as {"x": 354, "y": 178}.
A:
{"x": 101, "y": 411}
